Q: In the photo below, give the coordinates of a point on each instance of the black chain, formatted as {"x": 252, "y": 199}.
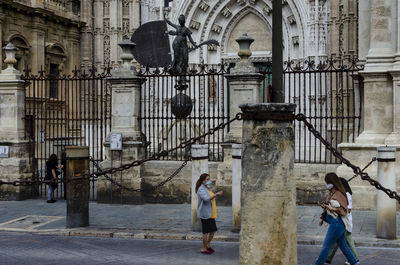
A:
{"x": 162, "y": 183}
{"x": 325, "y": 189}
{"x": 157, "y": 156}
{"x": 299, "y": 117}
{"x": 357, "y": 170}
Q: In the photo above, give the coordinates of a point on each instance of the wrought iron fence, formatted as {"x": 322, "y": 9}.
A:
{"x": 328, "y": 94}
{"x": 63, "y": 110}
{"x": 207, "y": 89}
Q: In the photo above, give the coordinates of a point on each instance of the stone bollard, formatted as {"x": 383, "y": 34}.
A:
{"x": 236, "y": 179}
{"x": 268, "y": 213}
{"x": 78, "y": 190}
{"x": 386, "y": 207}
{"x": 199, "y": 166}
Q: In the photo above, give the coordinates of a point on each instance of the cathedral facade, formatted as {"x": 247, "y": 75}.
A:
{"x": 68, "y": 33}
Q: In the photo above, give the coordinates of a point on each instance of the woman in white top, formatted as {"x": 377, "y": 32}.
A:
{"x": 349, "y": 240}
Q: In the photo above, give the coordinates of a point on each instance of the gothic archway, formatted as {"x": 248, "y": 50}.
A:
{"x": 217, "y": 20}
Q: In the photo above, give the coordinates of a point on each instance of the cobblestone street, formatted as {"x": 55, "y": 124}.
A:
{"x": 24, "y": 249}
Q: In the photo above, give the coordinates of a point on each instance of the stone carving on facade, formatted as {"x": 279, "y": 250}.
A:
{"x": 194, "y": 24}
{"x": 216, "y": 28}
{"x": 291, "y": 19}
{"x": 106, "y": 7}
{"x": 267, "y": 10}
{"x": 295, "y": 40}
{"x": 226, "y": 12}
{"x": 318, "y": 29}
{"x": 204, "y": 5}
{"x": 125, "y": 29}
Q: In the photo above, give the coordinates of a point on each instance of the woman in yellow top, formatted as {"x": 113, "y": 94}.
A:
{"x": 206, "y": 211}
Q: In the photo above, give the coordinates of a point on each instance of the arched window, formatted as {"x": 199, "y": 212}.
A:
{"x": 23, "y": 54}
{"x": 55, "y": 63}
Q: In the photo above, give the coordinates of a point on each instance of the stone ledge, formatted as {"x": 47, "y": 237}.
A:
{"x": 268, "y": 107}
{"x": 182, "y": 235}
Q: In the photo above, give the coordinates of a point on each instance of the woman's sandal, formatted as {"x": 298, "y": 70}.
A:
{"x": 207, "y": 252}
{"x": 211, "y": 250}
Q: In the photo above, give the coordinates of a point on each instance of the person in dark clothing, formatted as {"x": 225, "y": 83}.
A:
{"x": 64, "y": 171}
{"x": 51, "y": 177}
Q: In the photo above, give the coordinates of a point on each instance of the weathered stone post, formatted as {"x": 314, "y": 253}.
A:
{"x": 236, "y": 182}
{"x": 386, "y": 207}
{"x": 199, "y": 166}
{"x": 15, "y": 160}
{"x": 78, "y": 190}
{"x": 125, "y": 84}
{"x": 268, "y": 215}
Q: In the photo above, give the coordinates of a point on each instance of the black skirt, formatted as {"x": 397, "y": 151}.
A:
{"x": 208, "y": 225}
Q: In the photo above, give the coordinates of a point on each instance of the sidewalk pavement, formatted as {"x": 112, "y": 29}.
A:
{"x": 165, "y": 221}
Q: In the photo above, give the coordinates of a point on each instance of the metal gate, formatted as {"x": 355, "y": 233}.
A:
{"x": 328, "y": 94}
{"x": 162, "y": 130}
{"x": 64, "y": 110}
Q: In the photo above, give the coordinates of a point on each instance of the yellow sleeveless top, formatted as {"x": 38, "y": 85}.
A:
{"x": 214, "y": 206}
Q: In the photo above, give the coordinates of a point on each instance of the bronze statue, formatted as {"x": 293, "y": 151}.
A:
{"x": 181, "y": 51}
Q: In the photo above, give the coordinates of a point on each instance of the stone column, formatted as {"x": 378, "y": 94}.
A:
{"x": 394, "y": 137}
{"x": 86, "y": 32}
{"x": 125, "y": 85}
{"x": 17, "y": 165}
{"x": 78, "y": 188}
{"x": 268, "y": 214}
{"x": 378, "y": 108}
{"x": 382, "y": 44}
{"x": 378, "y": 95}
{"x": 378, "y": 87}
{"x": 364, "y": 17}
{"x": 244, "y": 85}
{"x": 38, "y": 44}
{"x": 386, "y": 207}
{"x": 236, "y": 182}
{"x": 199, "y": 166}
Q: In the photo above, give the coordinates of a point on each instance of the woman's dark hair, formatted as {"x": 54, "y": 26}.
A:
{"x": 346, "y": 185}
{"x": 332, "y": 178}
{"x": 52, "y": 159}
{"x": 200, "y": 180}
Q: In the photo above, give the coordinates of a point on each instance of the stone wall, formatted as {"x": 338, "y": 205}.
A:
{"x": 43, "y": 35}
{"x": 178, "y": 190}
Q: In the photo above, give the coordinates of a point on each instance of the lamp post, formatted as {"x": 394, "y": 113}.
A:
{"x": 278, "y": 94}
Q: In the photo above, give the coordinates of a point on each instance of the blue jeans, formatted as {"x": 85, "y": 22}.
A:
{"x": 49, "y": 192}
{"x": 335, "y": 234}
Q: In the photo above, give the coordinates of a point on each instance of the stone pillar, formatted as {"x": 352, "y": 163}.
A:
{"x": 383, "y": 43}
{"x": 394, "y": 137}
{"x": 268, "y": 214}
{"x": 86, "y": 32}
{"x": 125, "y": 85}
{"x": 379, "y": 95}
{"x": 78, "y": 188}
{"x": 386, "y": 207}
{"x": 244, "y": 85}
{"x": 236, "y": 182}
{"x": 364, "y": 17}
{"x": 17, "y": 165}
{"x": 378, "y": 108}
{"x": 199, "y": 166}
{"x": 38, "y": 44}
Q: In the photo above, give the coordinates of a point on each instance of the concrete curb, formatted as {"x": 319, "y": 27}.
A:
{"x": 188, "y": 235}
